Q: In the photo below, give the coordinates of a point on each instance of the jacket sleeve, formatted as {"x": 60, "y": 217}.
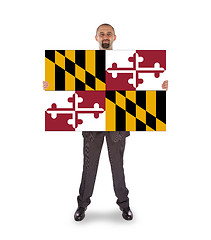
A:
{"x": 127, "y": 133}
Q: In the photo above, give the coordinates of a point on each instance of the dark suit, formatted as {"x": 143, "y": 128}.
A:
{"x": 115, "y": 135}
{"x": 93, "y": 142}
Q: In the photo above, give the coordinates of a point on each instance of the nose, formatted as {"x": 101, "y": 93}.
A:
{"x": 105, "y": 36}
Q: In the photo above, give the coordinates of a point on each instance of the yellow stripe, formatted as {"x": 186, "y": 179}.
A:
{"x": 69, "y": 82}
{"x": 50, "y": 74}
{"x": 60, "y": 60}
{"x": 88, "y": 88}
{"x": 149, "y": 128}
{"x": 100, "y": 86}
{"x": 70, "y": 54}
{"x": 110, "y": 116}
{"x": 151, "y": 102}
{"x": 160, "y": 126}
{"x": 90, "y": 61}
{"x": 131, "y": 95}
{"x": 80, "y": 73}
{"x": 130, "y": 122}
{"x": 120, "y": 100}
{"x": 141, "y": 114}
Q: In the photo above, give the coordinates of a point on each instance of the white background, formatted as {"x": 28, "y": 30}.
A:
{"x": 167, "y": 174}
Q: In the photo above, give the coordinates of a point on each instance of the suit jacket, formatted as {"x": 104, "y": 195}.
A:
{"x": 115, "y": 135}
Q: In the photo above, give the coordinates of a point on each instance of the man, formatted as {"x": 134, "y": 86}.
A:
{"x": 93, "y": 141}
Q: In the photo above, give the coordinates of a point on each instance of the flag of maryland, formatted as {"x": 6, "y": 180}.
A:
{"x": 80, "y": 70}
{"x": 98, "y": 90}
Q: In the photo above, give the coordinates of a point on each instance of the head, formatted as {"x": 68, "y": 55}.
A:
{"x": 105, "y": 36}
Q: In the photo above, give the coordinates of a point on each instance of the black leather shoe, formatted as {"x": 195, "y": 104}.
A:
{"x": 79, "y": 214}
{"x": 127, "y": 213}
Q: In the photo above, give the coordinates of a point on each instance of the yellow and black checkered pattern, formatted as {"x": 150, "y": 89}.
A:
{"x": 135, "y": 110}
{"x": 80, "y": 70}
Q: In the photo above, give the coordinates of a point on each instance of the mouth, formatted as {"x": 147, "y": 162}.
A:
{"x": 106, "y": 43}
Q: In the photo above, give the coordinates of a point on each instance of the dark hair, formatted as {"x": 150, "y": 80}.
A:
{"x": 105, "y": 24}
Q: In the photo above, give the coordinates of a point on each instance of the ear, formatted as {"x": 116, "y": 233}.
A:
{"x": 96, "y": 38}
{"x": 114, "y": 37}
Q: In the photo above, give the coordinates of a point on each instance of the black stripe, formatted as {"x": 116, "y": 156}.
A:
{"x": 120, "y": 119}
{"x": 80, "y": 58}
{"x": 151, "y": 121}
{"x": 59, "y": 78}
{"x": 79, "y": 85}
{"x": 140, "y": 126}
{"x": 122, "y": 92}
{"x": 100, "y": 64}
{"x": 61, "y": 51}
{"x": 111, "y": 95}
{"x": 90, "y": 80}
{"x": 70, "y": 66}
{"x": 141, "y": 99}
{"x": 50, "y": 54}
{"x": 131, "y": 107}
{"x": 161, "y": 105}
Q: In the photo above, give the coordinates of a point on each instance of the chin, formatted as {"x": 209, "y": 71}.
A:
{"x": 105, "y": 46}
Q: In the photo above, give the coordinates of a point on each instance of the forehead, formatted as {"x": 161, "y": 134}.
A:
{"x": 105, "y": 29}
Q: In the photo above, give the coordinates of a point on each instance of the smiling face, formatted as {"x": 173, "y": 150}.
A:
{"x": 105, "y": 37}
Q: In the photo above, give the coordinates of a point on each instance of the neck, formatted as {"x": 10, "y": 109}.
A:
{"x": 110, "y": 48}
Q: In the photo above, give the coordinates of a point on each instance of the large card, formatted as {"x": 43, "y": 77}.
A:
{"x": 97, "y": 90}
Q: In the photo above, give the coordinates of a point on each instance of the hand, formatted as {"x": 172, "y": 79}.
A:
{"x": 45, "y": 85}
{"x": 165, "y": 85}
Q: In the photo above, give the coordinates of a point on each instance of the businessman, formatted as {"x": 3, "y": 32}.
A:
{"x": 93, "y": 142}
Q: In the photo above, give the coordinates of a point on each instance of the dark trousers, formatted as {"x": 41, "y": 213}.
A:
{"x": 92, "y": 150}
